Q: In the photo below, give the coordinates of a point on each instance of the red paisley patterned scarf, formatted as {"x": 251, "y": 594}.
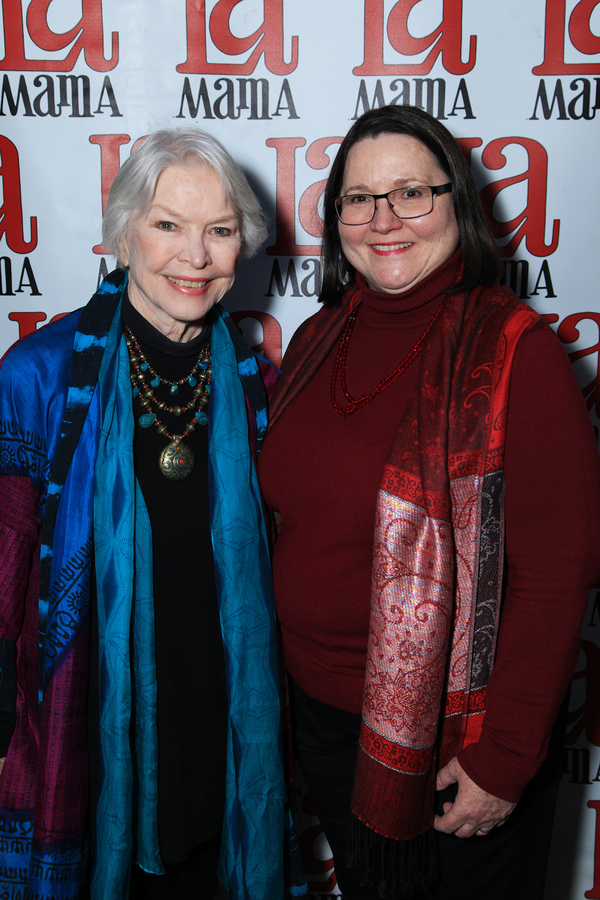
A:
{"x": 437, "y": 566}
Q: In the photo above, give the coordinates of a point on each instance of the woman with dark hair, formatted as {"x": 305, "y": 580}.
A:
{"x": 136, "y": 584}
{"x": 479, "y": 250}
{"x": 437, "y": 543}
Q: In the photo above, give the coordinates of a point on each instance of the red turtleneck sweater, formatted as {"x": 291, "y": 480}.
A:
{"x": 321, "y": 472}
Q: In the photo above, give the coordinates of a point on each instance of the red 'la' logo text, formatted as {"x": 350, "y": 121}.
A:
{"x": 87, "y": 35}
{"x": 530, "y": 222}
{"x": 11, "y": 211}
{"x": 446, "y": 40}
{"x": 109, "y": 165}
{"x": 316, "y": 158}
{"x": 580, "y": 35}
{"x": 267, "y": 39}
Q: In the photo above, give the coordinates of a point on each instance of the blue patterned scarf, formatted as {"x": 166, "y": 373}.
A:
{"x": 251, "y": 856}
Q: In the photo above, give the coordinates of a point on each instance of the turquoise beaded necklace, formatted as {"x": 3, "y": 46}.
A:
{"x": 176, "y": 461}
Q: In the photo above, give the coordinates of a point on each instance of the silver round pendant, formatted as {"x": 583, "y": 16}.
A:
{"x": 176, "y": 461}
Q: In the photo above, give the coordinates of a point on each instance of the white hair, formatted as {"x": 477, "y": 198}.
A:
{"x": 132, "y": 191}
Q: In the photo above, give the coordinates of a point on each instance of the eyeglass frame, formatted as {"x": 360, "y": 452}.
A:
{"x": 435, "y": 190}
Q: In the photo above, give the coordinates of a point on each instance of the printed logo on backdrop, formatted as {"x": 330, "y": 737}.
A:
{"x": 13, "y": 230}
{"x": 526, "y": 230}
{"x": 17, "y": 234}
{"x": 296, "y": 203}
{"x": 392, "y": 40}
{"x": 572, "y": 52}
{"x": 215, "y": 47}
{"x": 32, "y": 46}
{"x": 528, "y": 226}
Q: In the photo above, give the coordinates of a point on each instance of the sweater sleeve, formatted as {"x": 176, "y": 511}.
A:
{"x": 552, "y": 510}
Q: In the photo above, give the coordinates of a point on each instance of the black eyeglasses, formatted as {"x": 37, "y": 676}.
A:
{"x": 406, "y": 203}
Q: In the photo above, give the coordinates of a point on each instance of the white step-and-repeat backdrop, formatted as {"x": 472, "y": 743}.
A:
{"x": 280, "y": 82}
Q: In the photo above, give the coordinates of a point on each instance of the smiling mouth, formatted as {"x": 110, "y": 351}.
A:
{"x": 392, "y": 246}
{"x": 183, "y": 282}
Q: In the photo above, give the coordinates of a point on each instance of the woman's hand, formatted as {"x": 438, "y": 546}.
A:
{"x": 474, "y": 811}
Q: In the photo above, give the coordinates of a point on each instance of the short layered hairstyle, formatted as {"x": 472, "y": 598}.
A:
{"x": 132, "y": 191}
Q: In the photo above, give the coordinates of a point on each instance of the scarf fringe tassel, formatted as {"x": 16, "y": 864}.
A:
{"x": 403, "y": 869}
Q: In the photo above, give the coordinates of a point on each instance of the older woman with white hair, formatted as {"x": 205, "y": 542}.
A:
{"x": 135, "y": 571}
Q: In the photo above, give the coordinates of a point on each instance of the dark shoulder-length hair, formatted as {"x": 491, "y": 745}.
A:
{"x": 480, "y": 252}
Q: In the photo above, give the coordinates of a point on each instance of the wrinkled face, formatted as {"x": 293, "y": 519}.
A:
{"x": 183, "y": 252}
{"x": 395, "y": 254}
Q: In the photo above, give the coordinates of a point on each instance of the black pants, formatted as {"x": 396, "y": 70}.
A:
{"x": 510, "y": 862}
{"x": 194, "y": 879}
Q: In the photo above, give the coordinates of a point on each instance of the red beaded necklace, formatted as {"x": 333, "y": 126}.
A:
{"x": 342, "y": 359}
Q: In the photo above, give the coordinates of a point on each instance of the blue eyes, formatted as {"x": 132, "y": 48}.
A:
{"x": 218, "y": 230}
